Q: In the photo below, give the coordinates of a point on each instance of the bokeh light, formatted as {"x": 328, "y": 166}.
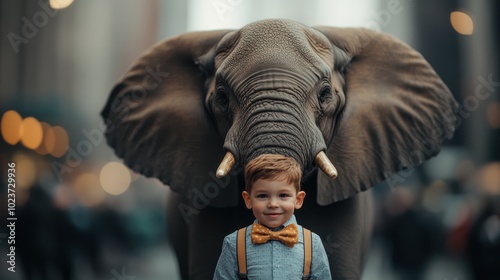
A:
{"x": 489, "y": 178}
{"x": 60, "y": 4}
{"x": 26, "y": 170}
{"x": 462, "y": 23}
{"x": 88, "y": 190}
{"x": 11, "y": 127}
{"x": 48, "y": 139}
{"x": 115, "y": 178}
{"x": 61, "y": 144}
{"x": 31, "y": 133}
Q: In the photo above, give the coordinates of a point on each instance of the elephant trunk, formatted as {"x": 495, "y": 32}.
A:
{"x": 265, "y": 128}
{"x": 276, "y": 132}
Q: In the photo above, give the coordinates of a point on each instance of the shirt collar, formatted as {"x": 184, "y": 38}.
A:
{"x": 292, "y": 220}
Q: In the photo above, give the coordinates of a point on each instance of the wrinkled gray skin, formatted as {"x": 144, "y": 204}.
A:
{"x": 369, "y": 101}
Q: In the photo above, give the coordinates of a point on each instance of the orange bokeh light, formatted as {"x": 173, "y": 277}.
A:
{"x": 61, "y": 142}
{"x": 31, "y": 133}
{"x": 42, "y": 148}
{"x": 462, "y": 23}
{"x": 11, "y": 127}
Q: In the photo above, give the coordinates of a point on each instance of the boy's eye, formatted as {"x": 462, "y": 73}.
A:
{"x": 284, "y": 195}
{"x": 261, "y": 195}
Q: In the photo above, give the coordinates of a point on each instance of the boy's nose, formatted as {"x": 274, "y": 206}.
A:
{"x": 272, "y": 203}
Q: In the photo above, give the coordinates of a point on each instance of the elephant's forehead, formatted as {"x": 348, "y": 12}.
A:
{"x": 275, "y": 44}
{"x": 274, "y": 30}
{"x": 270, "y": 39}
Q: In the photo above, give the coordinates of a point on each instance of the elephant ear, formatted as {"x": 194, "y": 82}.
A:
{"x": 398, "y": 112}
{"x": 157, "y": 121}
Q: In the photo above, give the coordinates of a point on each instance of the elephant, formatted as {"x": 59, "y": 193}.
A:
{"x": 351, "y": 103}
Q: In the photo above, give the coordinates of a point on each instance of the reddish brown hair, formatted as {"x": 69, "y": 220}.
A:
{"x": 273, "y": 167}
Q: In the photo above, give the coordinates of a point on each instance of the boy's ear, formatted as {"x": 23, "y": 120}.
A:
{"x": 246, "y": 198}
{"x": 300, "y": 199}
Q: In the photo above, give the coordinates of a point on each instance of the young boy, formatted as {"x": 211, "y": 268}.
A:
{"x": 275, "y": 246}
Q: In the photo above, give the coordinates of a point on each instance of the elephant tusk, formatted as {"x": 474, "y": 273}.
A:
{"x": 326, "y": 165}
{"x": 226, "y": 164}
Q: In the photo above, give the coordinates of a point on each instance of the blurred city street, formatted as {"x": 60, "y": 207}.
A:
{"x": 81, "y": 213}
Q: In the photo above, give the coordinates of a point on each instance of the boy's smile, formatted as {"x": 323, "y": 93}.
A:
{"x": 273, "y": 201}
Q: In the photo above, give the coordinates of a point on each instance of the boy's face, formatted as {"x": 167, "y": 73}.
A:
{"x": 273, "y": 202}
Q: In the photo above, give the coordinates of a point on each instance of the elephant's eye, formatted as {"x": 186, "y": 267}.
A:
{"x": 221, "y": 98}
{"x": 324, "y": 94}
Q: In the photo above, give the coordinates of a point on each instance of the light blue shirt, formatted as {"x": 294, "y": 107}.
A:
{"x": 273, "y": 260}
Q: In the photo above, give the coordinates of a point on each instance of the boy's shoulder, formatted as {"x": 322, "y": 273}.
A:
{"x": 231, "y": 237}
{"x": 316, "y": 239}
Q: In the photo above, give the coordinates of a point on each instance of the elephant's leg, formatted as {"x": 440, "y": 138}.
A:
{"x": 345, "y": 228}
{"x": 177, "y": 231}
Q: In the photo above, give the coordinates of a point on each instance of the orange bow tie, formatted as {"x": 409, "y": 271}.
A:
{"x": 288, "y": 236}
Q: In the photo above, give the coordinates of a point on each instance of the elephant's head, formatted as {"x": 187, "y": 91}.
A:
{"x": 372, "y": 104}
